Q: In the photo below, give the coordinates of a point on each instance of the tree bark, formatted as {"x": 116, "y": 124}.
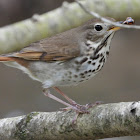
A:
{"x": 21, "y": 34}
{"x": 103, "y": 121}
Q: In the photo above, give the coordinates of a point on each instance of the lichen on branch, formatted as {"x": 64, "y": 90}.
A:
{"x": 104, "y": 121}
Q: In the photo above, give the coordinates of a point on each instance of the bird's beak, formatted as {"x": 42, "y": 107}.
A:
{"x": 114, "y": 28}
{"x": 128, "y": 21}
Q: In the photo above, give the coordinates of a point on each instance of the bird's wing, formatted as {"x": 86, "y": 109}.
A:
{"x": 57, "y": 48}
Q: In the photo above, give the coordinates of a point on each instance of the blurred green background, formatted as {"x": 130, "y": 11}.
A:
{"x": 117, "y": 82}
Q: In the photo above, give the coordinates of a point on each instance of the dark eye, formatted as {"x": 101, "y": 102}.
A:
{"x": 98, "y": 27}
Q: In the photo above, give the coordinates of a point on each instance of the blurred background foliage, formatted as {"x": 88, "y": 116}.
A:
{"x": 119, "y": 81}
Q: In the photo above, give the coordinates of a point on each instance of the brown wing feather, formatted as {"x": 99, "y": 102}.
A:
{"x": 57, "y": 48}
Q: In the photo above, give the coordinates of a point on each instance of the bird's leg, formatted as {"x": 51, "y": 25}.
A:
{"x": 73, "y": 105}
{"x": 48, "y": 94}
{"x": 72, "y": 102}
{"x": 69, "y": 106}
{"x": 75, "y": 118}
{"x": 81, "y": 108}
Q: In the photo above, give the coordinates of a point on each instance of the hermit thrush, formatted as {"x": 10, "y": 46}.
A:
{"x": 66, "y": 59}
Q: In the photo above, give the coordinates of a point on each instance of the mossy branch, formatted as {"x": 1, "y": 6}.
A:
{"x": 21, "y": 34}
{"x": 104, "y": 121}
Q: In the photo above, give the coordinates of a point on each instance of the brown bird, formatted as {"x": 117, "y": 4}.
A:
{"x": 66, "y": 59}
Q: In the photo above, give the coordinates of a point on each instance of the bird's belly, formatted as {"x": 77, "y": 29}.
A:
{"x": 64, "y": 74}
{"x": 67, "y": 73}
{"x": 82, "y": 72}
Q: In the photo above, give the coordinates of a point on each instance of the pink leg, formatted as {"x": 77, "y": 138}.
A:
{"x": 65, "y": 96}
{"x": 80, "y": 108}
{"x": 46, "y": 93}
{"x": 75, "y": 119}
{"x": 73, "y": 105}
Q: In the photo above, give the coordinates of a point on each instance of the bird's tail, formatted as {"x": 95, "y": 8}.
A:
{"x": 6, "y": 57}
{"x": 11, "y": 58}
{"x": 2, "y": 59}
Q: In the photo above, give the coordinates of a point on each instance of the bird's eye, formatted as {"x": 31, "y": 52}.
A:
{"x": 98, "y": 27}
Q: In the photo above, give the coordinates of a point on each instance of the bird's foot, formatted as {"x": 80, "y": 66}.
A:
{"x": 81, "y": 109}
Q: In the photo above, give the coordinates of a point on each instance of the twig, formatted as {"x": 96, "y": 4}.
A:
{"x": 104, "y": 19}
